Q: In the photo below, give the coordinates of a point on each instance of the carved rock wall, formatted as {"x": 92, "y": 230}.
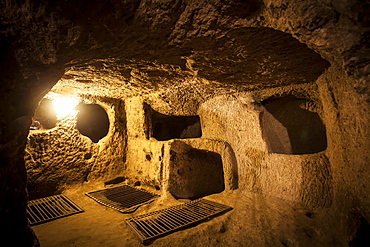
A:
{"x": 189, "y": 53}
{"x": 62, "y": 156}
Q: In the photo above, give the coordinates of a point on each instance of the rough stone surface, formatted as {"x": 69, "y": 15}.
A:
{"x": 56, "y": 158}
{"x": 62, "y": 157}
{"x": 349, "y": 142}
{"x": 194, "y": 173}
{"x": 217, "y": 59}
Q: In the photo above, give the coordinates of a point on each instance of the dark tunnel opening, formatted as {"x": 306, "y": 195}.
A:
{"x": 92, "y": 121}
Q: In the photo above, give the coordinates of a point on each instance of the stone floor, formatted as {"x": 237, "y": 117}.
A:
{"x": 254, "y": 221}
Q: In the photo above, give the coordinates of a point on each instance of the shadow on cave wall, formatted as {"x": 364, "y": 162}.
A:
{"x": 291, "y": 125}
{"x": 194, "y": 173}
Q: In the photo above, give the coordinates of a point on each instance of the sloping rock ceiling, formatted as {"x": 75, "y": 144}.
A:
{"x": 154, "y": 44}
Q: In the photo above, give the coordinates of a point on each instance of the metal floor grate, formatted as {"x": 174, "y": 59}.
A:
{"x": 124, "y": 198}
{"x": 153, "y": 225}
{"x": 50, "y": 208}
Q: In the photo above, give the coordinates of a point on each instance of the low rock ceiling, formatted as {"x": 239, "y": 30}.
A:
{"x": 125, "y": 48}
{"x": 243, "y": 59}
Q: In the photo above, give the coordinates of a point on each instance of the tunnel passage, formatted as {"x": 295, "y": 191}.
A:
{"x": 92, "y": 121}
{"x": 165, "y": 127}
{"x": 45, "y": 116}
{"x": 194, "y": 173}
{"x": 361, "y": 234}
{"x": 291, "y": 125}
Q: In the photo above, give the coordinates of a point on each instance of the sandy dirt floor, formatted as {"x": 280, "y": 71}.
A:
{"x": 254, "y": 221}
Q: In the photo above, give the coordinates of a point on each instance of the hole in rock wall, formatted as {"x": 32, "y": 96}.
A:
{"x": 166, "y": 127}
{"x": 194, "y": 173}
{"x": 361, "y": 237}
{"x": 92, "y": 121}
{"x": 45, "y": 116}
{"x": 291, "y": 125}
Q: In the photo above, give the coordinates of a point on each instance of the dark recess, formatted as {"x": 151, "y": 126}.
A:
{"x": 45, "y": 114}
{"x": 195, "y": 173}
{"x": 175, "y": 127}
{"x": 362, "y": 236}
{"x": 116, "y": 180}
{"x": 290, "y": 127}
{"x": 92, "y": 121}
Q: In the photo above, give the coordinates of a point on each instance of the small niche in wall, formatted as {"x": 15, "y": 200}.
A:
{"x": 165, "y": 127}
{"x": 194, "y": 173}
{"x": 92, "y": 121}
{"x": 291, "y": 125}
{"x": 45, "y": 116}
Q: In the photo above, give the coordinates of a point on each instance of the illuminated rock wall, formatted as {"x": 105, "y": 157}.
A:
{"x": 57, "y": 158}
{"x": 62, "y": 156}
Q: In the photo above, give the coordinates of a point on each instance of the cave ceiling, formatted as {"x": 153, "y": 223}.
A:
{"x": 104, "y": 49}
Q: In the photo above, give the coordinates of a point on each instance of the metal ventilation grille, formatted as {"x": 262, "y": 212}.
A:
{"x": 50, "y": 208}
{"x": 124, "y": 198}
{"x": 152, "y": 225}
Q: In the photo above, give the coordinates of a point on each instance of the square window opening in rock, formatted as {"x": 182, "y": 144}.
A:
{"x": 166, "y": 127}
{"x": 292, "y": 125}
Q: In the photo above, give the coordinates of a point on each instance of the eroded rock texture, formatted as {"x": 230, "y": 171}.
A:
{"x": 194, "y": 173}
{"x": 220, "y": 60}
{"x": 65, "y": 155}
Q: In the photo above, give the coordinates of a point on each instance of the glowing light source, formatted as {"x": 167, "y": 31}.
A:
{"x": 65, "y": 106}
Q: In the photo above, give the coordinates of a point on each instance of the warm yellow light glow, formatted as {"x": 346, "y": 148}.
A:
{"x": 65, "y": 106}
